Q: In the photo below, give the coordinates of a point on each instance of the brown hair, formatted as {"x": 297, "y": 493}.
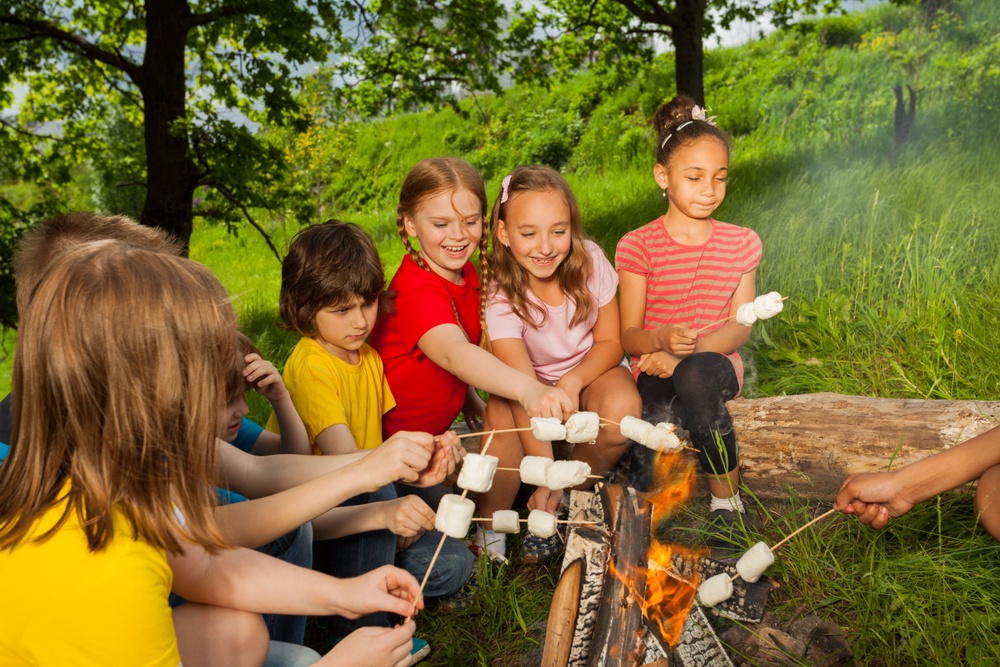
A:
{"x": 125, "y": 412}
{"x": 512, "y": 278}
{"x": 670, "y": 136}
{"x": 236, "y": 384}
{"x": 54, "y": 236}
{"x": 327, "y": 264}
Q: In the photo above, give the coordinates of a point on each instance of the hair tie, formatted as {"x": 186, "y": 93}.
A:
{"x": 697, "y": 113}
{"x": 504, "y": 195}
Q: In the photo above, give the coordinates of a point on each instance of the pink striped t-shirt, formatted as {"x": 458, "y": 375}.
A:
{"x": 686, "y": 284}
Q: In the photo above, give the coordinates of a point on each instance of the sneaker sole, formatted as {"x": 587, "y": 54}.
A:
{"x": 420, "y": 655}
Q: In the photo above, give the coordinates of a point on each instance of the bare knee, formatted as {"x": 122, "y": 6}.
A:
{"x": 209, "y": 635}
{"x": 987, "y": 501}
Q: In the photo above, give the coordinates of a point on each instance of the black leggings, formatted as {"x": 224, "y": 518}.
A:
{"x": 695, "y": 399}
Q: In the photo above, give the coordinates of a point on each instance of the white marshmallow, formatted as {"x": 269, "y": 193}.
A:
{"x": 746, "y": 315}
{"x": 506, "y": 521}
{"x": 541, "y": 523}
{"x": 583, "y": 427}
{"x": 477, "y": 472}
{"x": 753, "y": 563}
{"x": 635, "y": 429}
{"x": 715, "y": 590}
{"x": 662, "y": 438}
{"x": 454, "y": 516}
{"x": 564, "y": 474}
{"x": 548, "y": 428}
{"x": 768, "y": 305}
{"x": 535, "y": 470}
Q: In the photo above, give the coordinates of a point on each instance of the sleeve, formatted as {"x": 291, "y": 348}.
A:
{"x": 501, "y": 320}
{"x": 421, "y": 303}
{"x": 752, "y": 250}
{"x": 604, "y": 280}
{"x": 318, "y": 400}
{"x": 631, "y": 255}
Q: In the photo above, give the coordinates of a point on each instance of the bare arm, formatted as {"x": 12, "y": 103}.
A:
{"x": 448, "y": 347}
{"x": 605, "y": 354}
{"x": 268, "y": 383}
{"x": 407, "y": 516}
{"x": 512, "y": 352}
{"x": 635, "y": 338}
{"x": 336, "y": 439}
{"x": 257, "y": 476}
{"x": 729, "y": 337}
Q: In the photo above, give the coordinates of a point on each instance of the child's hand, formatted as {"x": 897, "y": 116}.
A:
{"x": 387, "y": 588}
{"x": 545, "y": 499}
{"x": 541, "y": 400}
{"x": 677, "y": 340}
{"x": 873, "y": 497}
{"x": 373, "y": 646}
{"x": 447, "y": 455}
{"x": 401, "y": 458}
{"x": 408, "y": 516}
{"x": 658, "y": 364}
{"x": 572, "y": 387}
{"x": 264, "y": 377}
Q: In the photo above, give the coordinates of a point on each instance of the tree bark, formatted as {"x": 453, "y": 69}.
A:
{"x": 171, "y": 176}
{"x": 812, "y": 442}
{"x": 687, "y": 36}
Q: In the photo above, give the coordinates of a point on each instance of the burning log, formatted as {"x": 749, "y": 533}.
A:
{"x": 813, "y": 441}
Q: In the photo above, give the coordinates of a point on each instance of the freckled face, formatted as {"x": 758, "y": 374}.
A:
{"x": 537, "y": 229}
{"x": 695, "y": 178}
{"x": 448, "y": 226}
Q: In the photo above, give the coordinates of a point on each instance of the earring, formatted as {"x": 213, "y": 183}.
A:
{"x": 664, "y": 193}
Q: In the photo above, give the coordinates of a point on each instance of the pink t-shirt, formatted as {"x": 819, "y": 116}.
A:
{"x": 555, "y": 347}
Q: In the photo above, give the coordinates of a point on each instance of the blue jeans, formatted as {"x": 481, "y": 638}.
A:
{"x": 295, "y": 548}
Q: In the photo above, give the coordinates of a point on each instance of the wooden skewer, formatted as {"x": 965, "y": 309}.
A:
{"x": 502, "y": 430}
{"x": 437, "y": 552}
{"x": 724, "y": 319}
{"x": 519, "y": 470}
{"x": 796, "y": 532}
{"x": 567, "y": 521}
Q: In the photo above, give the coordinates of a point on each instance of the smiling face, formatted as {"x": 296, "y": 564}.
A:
{"x": 448, "y": 226}
{"x": 538, "y": 231}
{"x": 695, "y": 179}
{"x": 232, "y": 416}
{"x": 342, "y": 328}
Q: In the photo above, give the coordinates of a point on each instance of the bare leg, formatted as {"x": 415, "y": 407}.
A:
{"x": 507, "y": 447}
{"x": 613, "y": 396}
{"x": 220, "y": 637}
{"x": 987, "y": 502}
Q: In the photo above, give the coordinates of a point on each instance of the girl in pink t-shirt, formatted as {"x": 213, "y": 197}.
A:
{"x": 551, "y": 311}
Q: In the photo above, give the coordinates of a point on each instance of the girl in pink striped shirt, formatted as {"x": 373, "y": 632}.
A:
{"x": 681, "y": 272}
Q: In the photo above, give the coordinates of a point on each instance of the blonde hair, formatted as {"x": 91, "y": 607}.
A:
{"x": 512, "y": 278}
{"x": 126, "y": 412}
{"x": 433, "y": 176}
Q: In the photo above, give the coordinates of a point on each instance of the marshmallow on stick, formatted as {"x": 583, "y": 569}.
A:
{"x": 753, "y": 563}
{"x": 659, "y": 438}
{"x": 635, "y": 429}
{"x": 506, "y": 521}
{"x": 454, "y": 516}
{"x": 715, "y": 589}
{"x": 477, "y": 472}
{"x": 768, "y": 305}
{"x": 541, "y": 523}
{"x": 583, "y": 427}
{"x": 535, "y": 469}
{"x": 746, "y": 315}
{"x": 564, "y": 474}
{"x": 548, "y": 428}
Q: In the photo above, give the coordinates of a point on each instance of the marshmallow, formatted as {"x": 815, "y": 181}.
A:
{"x": 506, "y": 521}
{"x": 662, "y": 438}
{"x": 746, "y": 315}
{"x": 548, "y": 428}
{"x": 768, "y": 305}
{"x": 477, "y": 472}
{"x": 715, "y": 590}
{"x": 583, "y": 427}
{"x": 541, "y": 523}
{"x": 753, "y": 563}
{"x": 563, "y": 474}
{"x": 454, "y": 516}
{"x": 635, "y": 429}
{"x": 535, "y": 470}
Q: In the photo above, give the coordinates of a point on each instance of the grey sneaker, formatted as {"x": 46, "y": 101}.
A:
{"x": 728, "y": 533}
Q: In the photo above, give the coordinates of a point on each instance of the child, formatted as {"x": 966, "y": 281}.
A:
{"x": 875, "y": 497}
{"x": 681, "y": 272}
{"x": 430, "y": 341}
{"x": 106, "y": 497}
{"x": 551, "y": 310}
{"x": 331, "y": 282}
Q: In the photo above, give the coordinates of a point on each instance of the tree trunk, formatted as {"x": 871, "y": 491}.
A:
{"x": 812, "y": 442}
{"x": 170, "y": 176}
{"x": 688, "y": 55}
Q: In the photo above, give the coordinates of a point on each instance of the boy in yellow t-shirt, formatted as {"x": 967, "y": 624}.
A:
{"x": 331, "y": 282}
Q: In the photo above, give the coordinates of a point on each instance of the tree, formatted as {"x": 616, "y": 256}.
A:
{"x": 612, "y": 30}
{"x": 199, "y": 76}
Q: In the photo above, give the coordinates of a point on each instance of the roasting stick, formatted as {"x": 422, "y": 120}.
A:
{"x": 519, "y": 470}
{"x": 437, "y": 552}
{"x": 566, "y": 521}
{"x": 797, "y": 531}
{"x": 724, "y": 319}
{"x": 490, "y": 433}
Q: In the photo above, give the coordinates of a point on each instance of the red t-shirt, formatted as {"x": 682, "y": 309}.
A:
{"x": 428, "y": 398}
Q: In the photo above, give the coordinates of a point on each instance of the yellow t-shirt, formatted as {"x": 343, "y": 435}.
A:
{"x": 60, "y": 604}
{"x": 327, "y": 391}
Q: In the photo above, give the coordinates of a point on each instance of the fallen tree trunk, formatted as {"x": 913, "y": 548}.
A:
{"x": 811, "y": 442}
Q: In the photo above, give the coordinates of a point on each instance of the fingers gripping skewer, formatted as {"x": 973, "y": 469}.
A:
{"x": 437, "y": 552}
